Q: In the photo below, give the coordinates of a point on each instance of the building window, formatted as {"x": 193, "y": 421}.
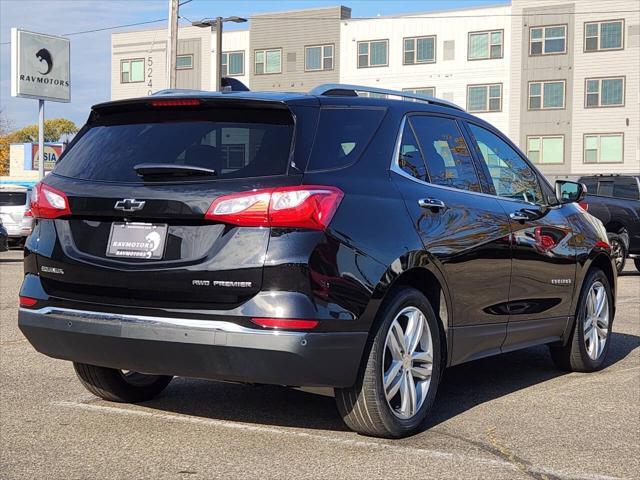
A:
{"x": 184, "y": 62}
{"x": 373, "y": 53}
{"x": 421, "y": 91}
{"x": 484, "y": 98}
{"x": 548, "y": 40}
{"x": 485, "y": 45}
{"x": 419, "y": 50}
{"x": 546, "y": 150}
{"x": 232, "y": 64}
{"x": 603, "y": 148}
{"x": 318, "y": 57}
{"x": 604, "y": 92}
{"x": 268, "y": 61}
{"x": 546, "y": 95}
{"x": 600, "y": 36}
{"x": 132, "y": 71}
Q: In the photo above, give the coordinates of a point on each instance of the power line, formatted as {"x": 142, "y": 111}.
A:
{"x": 106, "y": 28}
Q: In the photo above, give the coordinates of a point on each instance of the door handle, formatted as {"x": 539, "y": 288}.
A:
{"x": 432, "y": 203}
{"x": 525, "y": 215}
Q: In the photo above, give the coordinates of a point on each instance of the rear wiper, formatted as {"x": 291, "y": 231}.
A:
{"x": 168, "y": 170}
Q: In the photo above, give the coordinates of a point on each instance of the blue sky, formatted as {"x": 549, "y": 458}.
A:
{"x": 90, "y": 53}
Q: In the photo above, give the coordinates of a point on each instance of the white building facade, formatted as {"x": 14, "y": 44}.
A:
{"x": 563, "y": 83}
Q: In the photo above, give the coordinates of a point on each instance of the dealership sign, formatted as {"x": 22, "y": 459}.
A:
{"x": 51, "y": 155}
{"x": 40, "y": 66}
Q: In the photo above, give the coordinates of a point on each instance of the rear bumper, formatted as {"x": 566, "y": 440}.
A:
{"x": 195, "y": 348}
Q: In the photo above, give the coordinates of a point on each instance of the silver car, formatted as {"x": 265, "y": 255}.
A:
{"x": 14, "y": 212}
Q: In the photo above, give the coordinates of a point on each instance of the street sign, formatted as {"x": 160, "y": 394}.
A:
{"x": 51, "y": 155}
{"x": 40, "y": 66}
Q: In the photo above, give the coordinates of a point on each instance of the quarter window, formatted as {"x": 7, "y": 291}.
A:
{"x": 419, "y": 50}
{"x": 604, "y": 92}
{"x": 484, "y": 98}
{"x": 485, "y": 45}
{"x": 319, "y": 57}
{"x": 410, "y": 159}
{"x": 132, "y": 71}
{"x": 600, "y": 36}
{"x": 603, "y": 148}
{"x": 512, "y": 177}
{"x": 445, "y": 152}
{"x": 373, "y": 53}
{"x": 268, "y": 61}
{"x": 232, "y": 64}
{"x": 546, "y": 95}
{"x": 184, "y": 62}
{"x": 422, "y": 91}
{"x": 546, "y": 149}
{"x": 548, "y": 40}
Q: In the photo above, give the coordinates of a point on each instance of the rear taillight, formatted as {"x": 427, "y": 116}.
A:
{"x": 285, "y": 323}
{"x": 27, "y": 302}
{"x": 305, "y": 206}
{"x": 584, "y": 205}
{"x": 48, "y": 202}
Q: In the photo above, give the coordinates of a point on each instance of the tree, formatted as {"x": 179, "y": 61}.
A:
{"x": 54, "y": 131}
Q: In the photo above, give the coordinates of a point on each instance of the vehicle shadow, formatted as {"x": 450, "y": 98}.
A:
{"x": 462, "y": 388}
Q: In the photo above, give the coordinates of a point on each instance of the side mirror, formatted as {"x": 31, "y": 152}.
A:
{"x": 570, "y": 192}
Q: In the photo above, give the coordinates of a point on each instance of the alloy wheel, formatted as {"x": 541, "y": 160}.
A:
{"x": 407, "y": 362}
{"x": 617, "y": 252}
{"x": 596, "y": 320}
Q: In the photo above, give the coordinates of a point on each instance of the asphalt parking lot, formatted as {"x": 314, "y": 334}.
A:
{"x": 512, "y": 416}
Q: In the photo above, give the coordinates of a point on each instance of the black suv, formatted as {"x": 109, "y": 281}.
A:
{"x": 322, "y": 239}
{"x": 615, "y": 201}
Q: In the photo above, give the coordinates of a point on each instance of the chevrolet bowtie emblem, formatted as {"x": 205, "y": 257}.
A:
{"x": 129, "y": 205}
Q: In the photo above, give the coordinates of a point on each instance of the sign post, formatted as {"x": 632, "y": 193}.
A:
{"x": 40, "y": 69}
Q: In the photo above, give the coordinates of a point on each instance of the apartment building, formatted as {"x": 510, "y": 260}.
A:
{"x": 561, "y": 78}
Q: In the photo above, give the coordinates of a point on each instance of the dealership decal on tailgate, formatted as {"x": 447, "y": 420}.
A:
{"x": 137, "y": 240}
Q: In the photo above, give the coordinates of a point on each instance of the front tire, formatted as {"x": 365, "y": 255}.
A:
{"x": 400, "y": 373}
{"x": 120, "y": 386}
{"x": 619, "y": 249}
{"x": 587, "y": 348}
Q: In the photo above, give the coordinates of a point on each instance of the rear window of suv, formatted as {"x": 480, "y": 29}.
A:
{"x": 12, "y": 199}
{"x": 236, "y": 143}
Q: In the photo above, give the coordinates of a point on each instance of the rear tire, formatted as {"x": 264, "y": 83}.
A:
{"x": 406, "y": 352}
{"x": 584, "y": 351}
{"x": 619, "y": 249}
{"x": 118, "y": 386}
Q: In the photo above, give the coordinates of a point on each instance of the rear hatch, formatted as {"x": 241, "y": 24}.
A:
{"x": 140, "y": 178}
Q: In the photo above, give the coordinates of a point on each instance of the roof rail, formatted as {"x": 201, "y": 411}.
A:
{"x": 340, "y": 89}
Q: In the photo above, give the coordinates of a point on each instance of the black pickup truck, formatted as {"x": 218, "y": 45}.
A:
{"x": 615, "y": 200}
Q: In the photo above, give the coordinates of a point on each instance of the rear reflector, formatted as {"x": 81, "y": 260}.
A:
{"x": 183, "y": 102}
{"x": 285, "y": 323}
{"x": 306, "y": 206}
{"x": 48, "y": 202}
{"x": 27, "y": 301}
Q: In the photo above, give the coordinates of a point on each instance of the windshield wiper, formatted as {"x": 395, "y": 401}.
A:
{"x": 168, "y": 170}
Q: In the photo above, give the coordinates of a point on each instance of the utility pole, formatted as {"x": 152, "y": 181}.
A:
{"x": 172, "y": 42}
{"x": 219, "y": 54}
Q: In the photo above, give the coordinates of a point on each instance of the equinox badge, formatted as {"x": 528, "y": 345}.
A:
{"x": 129, "y": 205}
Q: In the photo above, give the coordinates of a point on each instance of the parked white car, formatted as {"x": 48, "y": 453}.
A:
{"x": 14, "y": 212}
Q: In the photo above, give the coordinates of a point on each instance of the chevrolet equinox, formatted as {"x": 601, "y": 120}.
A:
{"x": 327, "y": 239}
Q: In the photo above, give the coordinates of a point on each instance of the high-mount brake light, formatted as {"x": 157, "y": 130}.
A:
{"x": 182, "y": 102}
{"x": 305, "y": 206}
{"x": 48, "y": 202}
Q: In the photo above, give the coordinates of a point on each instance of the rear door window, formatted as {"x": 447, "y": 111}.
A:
{"x": 605, "y": 188}
{"x": 12, "y": 199}
{"x": 445, "y": 151}
{"x": 235, "y": 143}
{"x": 343, "y": 134}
